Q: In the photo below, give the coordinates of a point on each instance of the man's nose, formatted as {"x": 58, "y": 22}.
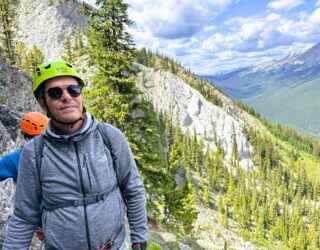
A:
{"x": 65, "y": 94}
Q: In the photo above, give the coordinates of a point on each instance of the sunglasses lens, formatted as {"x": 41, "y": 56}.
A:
{"x": 55, "y": 93}
{"x": 74, "y": 90}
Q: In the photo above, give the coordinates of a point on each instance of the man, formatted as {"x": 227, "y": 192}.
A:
{"x": 83, "y": 182}
{"x": 32, "y": 124}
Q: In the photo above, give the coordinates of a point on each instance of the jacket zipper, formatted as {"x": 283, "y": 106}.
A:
{"x": 84, "y": 196}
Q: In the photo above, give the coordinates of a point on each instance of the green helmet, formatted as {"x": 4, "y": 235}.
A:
{"x": 48, "y": 70}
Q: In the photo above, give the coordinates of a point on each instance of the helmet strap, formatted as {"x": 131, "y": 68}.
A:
{"x": 67, "y": 123}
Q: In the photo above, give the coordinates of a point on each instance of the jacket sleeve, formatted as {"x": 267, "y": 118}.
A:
{"x": 26, "y": 215}
{"x": 9, "y": 166}
{"x": 131, "y": 185}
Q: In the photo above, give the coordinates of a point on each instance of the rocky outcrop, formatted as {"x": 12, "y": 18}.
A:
{"x": 46, "y": 26}
{"x": 16, "y": 98}
{"x": 171, "y": 95}
{"x": 7, "y": 189}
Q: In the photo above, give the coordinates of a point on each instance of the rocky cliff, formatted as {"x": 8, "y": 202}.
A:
{"x": 46, "y": 25}
{"x": 16, "y": 98}
{"x": 171, "y": 95}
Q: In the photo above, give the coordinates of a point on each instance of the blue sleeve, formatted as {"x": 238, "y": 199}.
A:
{"x": 9, "y": 166}
{"x": 26, "y": 215}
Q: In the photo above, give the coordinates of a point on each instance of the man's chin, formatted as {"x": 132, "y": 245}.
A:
{"x": 70, "y": 118}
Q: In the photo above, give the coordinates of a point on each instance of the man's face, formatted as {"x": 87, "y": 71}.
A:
{"x": 68, "y": 107}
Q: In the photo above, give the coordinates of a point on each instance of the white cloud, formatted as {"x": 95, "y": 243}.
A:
{"x": 273, "y": 17}
{"x": 255, "y": 39}
{"x": 285, "y": 4}
{"x": 315, "y": 17}
{"x": 172, "y": 19}
{"x": 186, "y": 31}
{"x": 209, "y": 28}
{"x": 318, "y": 3}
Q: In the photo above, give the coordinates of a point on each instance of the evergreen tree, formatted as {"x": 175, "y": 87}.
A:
{"x": 20, "y": 48}
{"x": 115, "y": 99}
{"x": 68, "y": 53}
{"x": 78, "y": 42}
{"x": 7, "y": 14}
{"x": 33, "y": 57}
{"x": 111, "y": 52}
{"x": 206, "y": 196}
{"x": 142, "y": 57}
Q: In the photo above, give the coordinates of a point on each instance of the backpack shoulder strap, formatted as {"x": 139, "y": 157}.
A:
{"x": 38, "y": 150}
{"x": 104, "y": 133}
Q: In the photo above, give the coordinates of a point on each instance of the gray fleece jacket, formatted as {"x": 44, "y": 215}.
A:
{"x": 73, "y": 167}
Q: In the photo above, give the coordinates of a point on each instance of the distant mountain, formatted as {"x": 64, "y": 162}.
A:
{"x": 274, "y": 87}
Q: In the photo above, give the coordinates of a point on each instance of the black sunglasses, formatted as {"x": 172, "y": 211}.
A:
{"x": 55, "y": 93}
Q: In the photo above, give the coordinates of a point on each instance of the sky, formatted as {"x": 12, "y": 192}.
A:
{"x": 215, "y": 36}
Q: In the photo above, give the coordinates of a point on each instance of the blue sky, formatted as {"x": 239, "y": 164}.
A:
{"x": 212, "y": 36}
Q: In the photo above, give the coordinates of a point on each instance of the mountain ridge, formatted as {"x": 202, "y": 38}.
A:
{"x": 261, "y": 85}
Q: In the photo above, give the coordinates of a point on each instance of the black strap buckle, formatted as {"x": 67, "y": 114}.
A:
{"x": 139, "y": 246}
{"x": 109, "y": 244}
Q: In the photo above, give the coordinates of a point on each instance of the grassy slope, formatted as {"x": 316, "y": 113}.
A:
{"x": 298, "y": 107}
{"x": 310, "y": 162}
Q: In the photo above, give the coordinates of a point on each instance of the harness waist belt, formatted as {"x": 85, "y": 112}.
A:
{"x": 81, "y": 202}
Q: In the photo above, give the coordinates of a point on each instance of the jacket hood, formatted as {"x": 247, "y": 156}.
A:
{"x": 89, "y": 124}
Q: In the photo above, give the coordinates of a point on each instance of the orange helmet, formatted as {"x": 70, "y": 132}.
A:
{"x": 33, "y": 123}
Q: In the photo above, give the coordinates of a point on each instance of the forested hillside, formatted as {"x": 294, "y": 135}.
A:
{"x": 275, "y": 203}
{"x": 198, "y": 189}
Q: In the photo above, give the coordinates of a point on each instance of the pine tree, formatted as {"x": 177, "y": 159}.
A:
{"x": 111, "y": 52}
{"x": 176, "y": 152}
{"x": 273, "y": 211}
{"x": 234, "y": 154}
{"x": 142, "y": 57}
{"x": 68, "y": 53}
{"x": 206, "y": 196}
{"x": 115, "y": 99}
{"x": 78, "y": 42}
{"x": 20, "y": 48}
{"x": 33, "y": 57}
{"x": 7, "y": 14}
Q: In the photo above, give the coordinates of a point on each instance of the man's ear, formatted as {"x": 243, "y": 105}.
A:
{"x": 42, "y": 104}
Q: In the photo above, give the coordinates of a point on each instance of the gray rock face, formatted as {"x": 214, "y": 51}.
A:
{"x": 46, "y": 26}
{"x": 16, "y": 98}
{"x": 173, "y": 96}
{"x": 7, "y": 189}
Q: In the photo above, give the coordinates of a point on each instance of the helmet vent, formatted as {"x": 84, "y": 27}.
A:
{"x": 38, "y": 71}
{"x": 35, "y": 126}
{"x": 69, "y": 65}
{"x": 48, "y": 66}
